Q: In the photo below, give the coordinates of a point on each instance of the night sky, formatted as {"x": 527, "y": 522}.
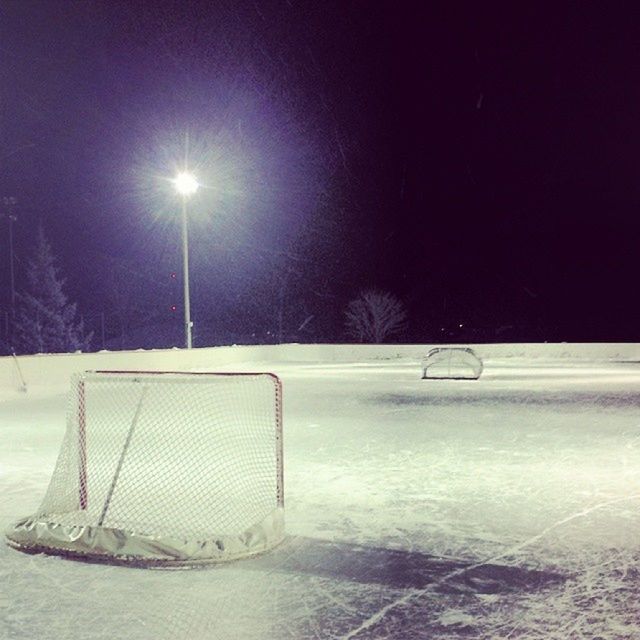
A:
{"x": 481, "y": 161}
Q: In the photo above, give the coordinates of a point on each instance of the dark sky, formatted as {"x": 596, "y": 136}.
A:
{"x": 479, "y": 160}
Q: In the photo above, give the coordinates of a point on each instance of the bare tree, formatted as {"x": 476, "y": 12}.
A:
{"x": 375, "y": 315}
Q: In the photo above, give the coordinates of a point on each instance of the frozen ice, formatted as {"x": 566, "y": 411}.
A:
{"x": 507, "y": 507}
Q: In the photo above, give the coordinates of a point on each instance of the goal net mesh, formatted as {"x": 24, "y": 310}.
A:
{"x": 164, "y": 468}
{"x": 455, "y": 363}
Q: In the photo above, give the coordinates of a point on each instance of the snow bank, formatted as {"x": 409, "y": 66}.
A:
{"x": 51, "y": 369}
{"x": 366, "y": 352}
{"x": 57, "y": 368}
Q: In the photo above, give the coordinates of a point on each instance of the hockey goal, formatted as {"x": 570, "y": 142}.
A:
{"x": 454, "y": 363}
{"x": 164, "y": 468}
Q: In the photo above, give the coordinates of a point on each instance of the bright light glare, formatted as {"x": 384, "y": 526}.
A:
{"x": 185, "y": 184}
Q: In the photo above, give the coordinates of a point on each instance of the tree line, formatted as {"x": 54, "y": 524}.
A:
{"x": 46, "y": 321}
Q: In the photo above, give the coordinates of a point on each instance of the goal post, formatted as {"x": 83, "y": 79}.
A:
{"x": 452, "y": 363}
{"x": 162, "y": 468}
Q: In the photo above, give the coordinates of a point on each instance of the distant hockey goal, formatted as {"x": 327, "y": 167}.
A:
{"x": 454, "y": 363}
{"x": 164, "y": 468}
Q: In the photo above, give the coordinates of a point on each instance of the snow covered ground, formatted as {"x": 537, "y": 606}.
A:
{"x": 507, "y": 507}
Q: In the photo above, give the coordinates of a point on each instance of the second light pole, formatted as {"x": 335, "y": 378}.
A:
{"x": 186, "y": 185}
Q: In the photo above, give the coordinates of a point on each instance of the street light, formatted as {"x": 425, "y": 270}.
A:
{"x": 9, "y": 204}
{"x": 186, "y": 185}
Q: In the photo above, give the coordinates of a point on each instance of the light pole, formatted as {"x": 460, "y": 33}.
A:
{"x": 9, "y": 206}
{"x": 186, "y": 185}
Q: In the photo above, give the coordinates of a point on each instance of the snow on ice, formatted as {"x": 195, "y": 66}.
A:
{"x": 507, "y": 507}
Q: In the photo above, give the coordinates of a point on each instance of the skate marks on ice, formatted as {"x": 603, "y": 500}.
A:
{"x": 312, "y": 589}
{"x": 395, "y": 568}
{"x": 602, "y": 594}
{"x": 304, "y": 589}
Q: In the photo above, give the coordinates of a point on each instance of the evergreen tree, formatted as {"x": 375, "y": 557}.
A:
{"x": 45, "y": 321}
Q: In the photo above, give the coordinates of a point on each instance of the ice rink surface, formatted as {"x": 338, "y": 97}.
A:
{"x": 507, "y": 507}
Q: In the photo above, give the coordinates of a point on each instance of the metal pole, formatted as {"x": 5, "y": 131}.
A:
{"x": 12, "y": 273}
{"x": 9, "y": 203}
{"x": 185, "y": 272}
